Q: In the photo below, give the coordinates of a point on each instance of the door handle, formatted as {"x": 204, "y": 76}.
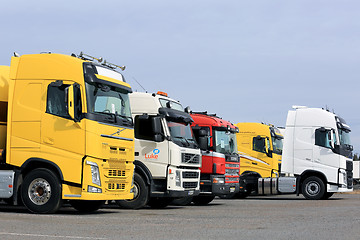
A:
{"x": 48, "y": 140}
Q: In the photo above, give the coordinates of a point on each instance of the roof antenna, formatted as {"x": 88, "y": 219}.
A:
{"x": 139, "y": 84}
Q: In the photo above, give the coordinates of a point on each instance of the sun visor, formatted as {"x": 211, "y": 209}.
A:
{"x": 176, "y": 115}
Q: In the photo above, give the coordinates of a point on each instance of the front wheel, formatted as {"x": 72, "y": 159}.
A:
{"x": 327, "y": 195}
{"x": 203, "y": 200}
{"x": 141, "y": 195}
{"x": 87, "y": 206}
{"x": 41, "y": 191}
{"x": 313, "y": 188}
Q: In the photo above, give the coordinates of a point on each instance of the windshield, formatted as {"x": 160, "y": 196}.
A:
{"x": 225, "y": 142}
{"x": 171, "y": 104}
{"x": 110, "y": 101}
{"x": 181, "y": 134}
{"x": 344, "y": 137}
{"x": 277, "y": 145}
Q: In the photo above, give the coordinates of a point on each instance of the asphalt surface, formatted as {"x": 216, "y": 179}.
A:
{"x": 269, "y": 217}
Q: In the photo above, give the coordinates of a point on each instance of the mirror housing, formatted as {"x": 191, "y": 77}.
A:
{"x": 202, "y": 133}
{"x": 156, "y": 125}
{"x": 158, "y": 138}
{"x": 203, "y": 143}
{"x": 70, "y": 101}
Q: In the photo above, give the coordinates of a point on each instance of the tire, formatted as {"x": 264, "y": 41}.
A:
{"x": 313, "y": 188}
{"x": 203, "y": 200}
{"x": 141, "y": 195}
{"x": 41, "y": 191}
{"x": 159, "y": 202}
{"x": 327, "y": 195}
{"x": 184, "y": 201}
{"x": 86, "y": 206}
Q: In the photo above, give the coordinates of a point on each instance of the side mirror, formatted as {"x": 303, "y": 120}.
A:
{"x": 158, "y": 138}
{"x": 202, "y": 133}
{"x": 69, "y": 95}
{"x": 156, "y": 125}
{"x": 203, "y": 143}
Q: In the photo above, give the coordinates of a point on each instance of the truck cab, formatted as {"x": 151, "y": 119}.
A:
{"x": 69, "y": 133}
{"x": 167, "y": 157}
{"x": 220, "y": 166}
{"x": 317, "y": 156}
{"x": 260, "y": 149}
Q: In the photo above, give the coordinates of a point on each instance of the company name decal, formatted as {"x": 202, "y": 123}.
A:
{"x": 153, "y": 155}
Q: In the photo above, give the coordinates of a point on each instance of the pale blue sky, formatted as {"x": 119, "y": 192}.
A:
{"x": 244, "y": 60}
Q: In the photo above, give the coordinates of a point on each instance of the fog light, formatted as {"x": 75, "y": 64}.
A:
{"x": 94, "y": 189}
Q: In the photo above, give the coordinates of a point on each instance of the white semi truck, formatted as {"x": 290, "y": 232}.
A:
{"x": 167, "y": 157}
{"x": 317, "y": 156}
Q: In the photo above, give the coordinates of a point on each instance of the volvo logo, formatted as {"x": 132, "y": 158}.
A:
{"x": 117, "y": 132}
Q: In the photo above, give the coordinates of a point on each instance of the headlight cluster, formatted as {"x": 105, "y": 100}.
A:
{"x": 177, "y": 178}
{"x": 343, "y": 176}
{"x": 95, "y": 173}
{"x": 219, "y": 180}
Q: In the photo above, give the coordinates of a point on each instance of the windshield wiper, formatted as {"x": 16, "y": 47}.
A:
{"x": 109, "y": 114}
{"x": 187, "y": 142}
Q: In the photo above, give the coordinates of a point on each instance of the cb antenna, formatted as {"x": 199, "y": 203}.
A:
{"x": 139, "y": 84}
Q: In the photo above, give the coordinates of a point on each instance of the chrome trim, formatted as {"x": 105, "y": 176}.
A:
{"x": 72, "y": 195}
{"x": 119, "y": 138}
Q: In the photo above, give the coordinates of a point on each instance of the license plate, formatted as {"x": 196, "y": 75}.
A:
{"x": 232, "y": 189}
{"x": 192, "y": 192}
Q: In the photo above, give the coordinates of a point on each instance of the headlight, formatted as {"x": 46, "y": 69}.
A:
{"x": 95, "y": 173}
{"x": 343, "y": 176}
{"x": 177, "y": 178}
{"x": 218, "y": 180}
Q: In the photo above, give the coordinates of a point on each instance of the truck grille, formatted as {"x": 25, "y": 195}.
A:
{"x": 115, "y": 186}
{"x": 190, "y": 174}
{"x": 232, "y": 171}
{"x": 231, "y": 165}
{"x": 190, "y": 184}
{"x": 232, "y": 158}
{"x": 190, "y": 158}
{"x": 116, "y": 173}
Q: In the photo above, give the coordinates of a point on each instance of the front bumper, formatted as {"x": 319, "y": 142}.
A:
{"x": 176, "y": 194}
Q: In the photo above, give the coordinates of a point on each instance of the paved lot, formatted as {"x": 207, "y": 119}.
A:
{"x": 277, "y": 217}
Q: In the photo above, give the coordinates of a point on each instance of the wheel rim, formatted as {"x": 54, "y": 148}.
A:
{"x": 136, "y": 191}
{"x": 313, "y": 188}
{"x": 39, "y": 191}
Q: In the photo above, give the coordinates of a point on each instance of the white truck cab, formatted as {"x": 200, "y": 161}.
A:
{"x": 317, "y": 155}
{"x": 167, "y": 157}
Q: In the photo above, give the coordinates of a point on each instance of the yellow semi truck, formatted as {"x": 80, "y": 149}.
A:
{"x": 66, "y": 132}
{"x": 260, "y": 149}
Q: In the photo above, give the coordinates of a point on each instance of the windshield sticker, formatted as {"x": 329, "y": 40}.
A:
{"x": 153, "y": 155}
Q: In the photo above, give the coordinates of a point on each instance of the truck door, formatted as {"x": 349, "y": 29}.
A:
{"x": 323, "y": 155}
{"x": 154, "y": 154}
{"x": 63, "y": 139}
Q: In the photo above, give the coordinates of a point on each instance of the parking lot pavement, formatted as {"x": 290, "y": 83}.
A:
{"x": 266, "y": 217}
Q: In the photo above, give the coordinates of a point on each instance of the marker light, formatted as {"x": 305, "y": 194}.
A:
{"x": 162, "y": 93}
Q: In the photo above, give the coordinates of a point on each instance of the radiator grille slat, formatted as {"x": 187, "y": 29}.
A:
{"x": 190, "y": 158}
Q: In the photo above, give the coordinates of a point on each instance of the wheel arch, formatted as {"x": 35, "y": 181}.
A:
{"x": 143, "y": 171}
{"x": 309, "y": 173}
{"x": 34, "y": 163}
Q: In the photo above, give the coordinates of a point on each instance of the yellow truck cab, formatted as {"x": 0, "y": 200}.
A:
{"x": 260, "y": 149}
{"x": 66, "y": 132}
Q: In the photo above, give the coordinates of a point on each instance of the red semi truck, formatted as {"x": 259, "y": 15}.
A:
{"x": 220, "y": 160}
